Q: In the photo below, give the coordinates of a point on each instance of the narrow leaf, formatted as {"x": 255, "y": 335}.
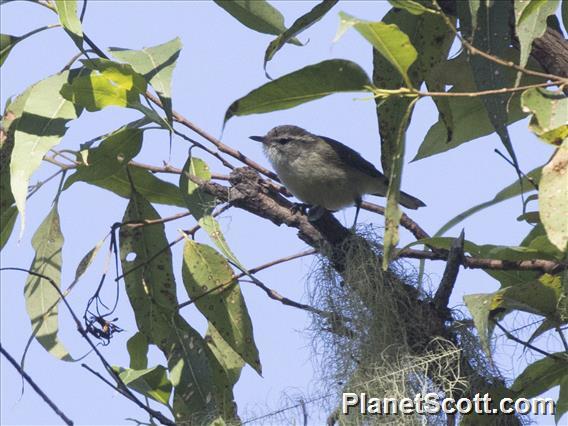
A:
{"x": 85, "y": 263}
{"x": 307, "y": 84}
{"x": 480, "y": 307}
{"x": 7, "y": 42}
{"x": 541, "y": 376}
{"x": 137, "y": 347}
{"x": 257, "y": 15}
{"x": 41, "y": 297}
{"x": 388, "y": 40}
{"x": 198, "y": 202}
{"x": 530, "y": 24}
{"x": 151, "y": 382}
{"x": 553, "y": 198}
{"x": 151, "y": 288}
{"x": 230, "y": 360}
{"x": 114, "y": 152}
{"x": 40, "y": 127}
{"x": 156, "y": 64}
{"x": 151, "y": 187}
{"x": 302, "y": 23}
{"x": 410, "y": 6}
{"x": 7, "y": 221}
{"x": 67, "y": 11}
{"x": 430, "y": 36}
{"x": 209, "y": 280}
{"x": 393, "y": 213}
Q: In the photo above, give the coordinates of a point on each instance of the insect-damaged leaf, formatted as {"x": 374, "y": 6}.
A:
{"x": 150, "y": 285}
{"x": 41, "y": 297}
{"x": 198, "y": 202}
{"x": 209, "y": 280}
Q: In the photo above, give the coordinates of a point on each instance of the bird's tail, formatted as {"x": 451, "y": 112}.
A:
{"x": 409, "y": 201}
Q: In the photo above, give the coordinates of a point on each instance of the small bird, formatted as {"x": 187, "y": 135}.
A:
{"x": 322, "y": 172}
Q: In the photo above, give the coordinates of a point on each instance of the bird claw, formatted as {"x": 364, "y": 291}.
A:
{"x": 300, "y": 207}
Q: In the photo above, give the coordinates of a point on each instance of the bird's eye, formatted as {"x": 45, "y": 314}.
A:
{"x": 283, "y": 141}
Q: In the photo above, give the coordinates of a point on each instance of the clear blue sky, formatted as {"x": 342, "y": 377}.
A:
{"x": 220, "y": 62}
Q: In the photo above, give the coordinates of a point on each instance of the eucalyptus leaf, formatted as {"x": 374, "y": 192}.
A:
{"x": 307, "y": 84}
{"x": 67, "y": 11}
{"x": 156, "y": 64}
{"x": 553, "y": 198}
{"x": 40, "y": 127}
{"x": 258, "y": 15}
{"x": 151, "y": 382}
{"x": 210, "y": 282}
{"x": 41, "y": 297}
{"x": 550, "y": 119}
{"x": 302, "y": 23}
{"x": 7, "y": 43}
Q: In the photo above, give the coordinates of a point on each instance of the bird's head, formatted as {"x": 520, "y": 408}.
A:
{"x": 286, "y": 139}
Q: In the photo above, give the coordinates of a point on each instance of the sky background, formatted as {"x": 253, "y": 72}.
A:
{"x": 221, "y": 61}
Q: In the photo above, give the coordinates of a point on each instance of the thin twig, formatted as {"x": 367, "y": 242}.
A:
{"x": 120, "y": 384}
{"x": 526, "y": 344}
{"x": 543, "y": 265}
{"x": 405, "y": 221}
{"x": 278, "y": 261}
{"x": 41, "y": 393}
{"x": 475, "y": 51}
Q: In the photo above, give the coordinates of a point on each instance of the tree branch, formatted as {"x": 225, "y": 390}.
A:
{"x": 41, "y": 393}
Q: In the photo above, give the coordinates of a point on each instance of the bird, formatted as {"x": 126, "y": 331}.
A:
{"x": 324, "y": 173}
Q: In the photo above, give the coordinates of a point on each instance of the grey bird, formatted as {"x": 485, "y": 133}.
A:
{"x": 322, "y": 172}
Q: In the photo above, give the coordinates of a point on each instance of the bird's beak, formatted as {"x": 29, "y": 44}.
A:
{"x": 257, "y": 138}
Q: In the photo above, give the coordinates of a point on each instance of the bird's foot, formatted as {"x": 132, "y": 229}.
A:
{"x": 300, "y": 207}
{"x": 315, "y": 213}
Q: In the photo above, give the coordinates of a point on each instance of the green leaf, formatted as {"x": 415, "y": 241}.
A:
{"x": 516, "y": 188}
{"x": 257, "y": 15}
{"x": 151, "y": 187}
{"x": 302, "y": 23}
{"x": 493, "y": 35}
{"x": 469, "y": 114}
{"x": 307, "y": 84}
{"x": 553, "y": 198}
{"x": 209, "y": 280}
{"x": 84, "y": 264}
{"x": 7, "y": 221}
{"x": 67, "y": 11}
{"x": 114, "y": 152}
{"x": 151, "y": 382}
{"x": 41, "y": 297}
{"x": 530, "y": 24}
{"x": 480, "y": 307}
{"x": 213, "y": 229}
{"x": 156, "y": 64}
{"x": 410, "y": 6}
{"x": 550, "y": 118}
{"x": 108, "y": 84}
{"x": 198, "y": 202}
{"x": 7, "y": 42}
{"x": 387, "y": 39}
{"x": 393, "y": 212}
{"x": 40, "y": 127}
{"x": 147, "y": 264}
{"x": 541, "y": 376}
{"x": 432, "y": 40}
{"x": 231, "y": 361}
{"x": 137, "y": 347}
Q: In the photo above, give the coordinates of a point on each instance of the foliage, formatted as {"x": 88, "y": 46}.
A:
{"x": 411, "y": 62}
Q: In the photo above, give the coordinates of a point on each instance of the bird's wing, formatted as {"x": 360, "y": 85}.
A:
{"x": 354, "y": 158}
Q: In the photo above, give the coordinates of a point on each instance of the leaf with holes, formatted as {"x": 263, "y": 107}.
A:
{"x": 209, "y": 280}
{"x": 148, "y": 274}
{"x": 198, "y": 202}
